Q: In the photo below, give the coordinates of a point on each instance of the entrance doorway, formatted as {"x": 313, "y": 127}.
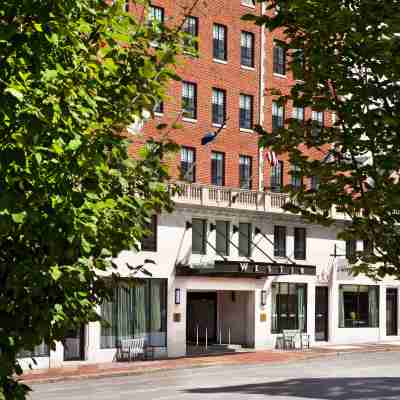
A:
{"x": 201, "y": 316}
{"x": 391, "y": 312}
{"x": 74, "y": 345}
{"x": 321, "y": 313}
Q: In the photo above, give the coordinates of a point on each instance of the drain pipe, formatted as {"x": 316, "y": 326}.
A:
{"x": 261, "y": 102}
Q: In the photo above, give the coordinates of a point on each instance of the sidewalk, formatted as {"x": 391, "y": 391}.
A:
{"x": 92, "y": 371}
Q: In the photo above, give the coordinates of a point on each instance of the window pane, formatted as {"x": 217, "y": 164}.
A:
{"x": 300, "y": 243}
{"x": 198, "y": 236}
{"x": 279, "y": 60}
{"x": 245, "y": 172}
{"x": 280, "y": 241}
{"x": 188, "y": 166}
{"x": 218, "y": 106}
{"x": 149, "y": 242}
{"x": 136, "y": 312}
{"x": 247, "y": 49}
{"x": 358, "y": 306}
{"x": 222, "y": 237}
{"x": 217, "y": 168}
{"x": 289, "y": 307}
{"x": 277, "y": 115}
{"x": 277, "y": 177}
{"x": 296, "y": 179}
{"x": 189, "y": 100}
{"x": 219, "y": 42}
{"x": 244, "y": 239}
{"x": 246, "y": 111}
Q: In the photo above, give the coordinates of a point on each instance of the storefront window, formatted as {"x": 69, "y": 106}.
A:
{"x": 289, "y": 310}
{"x": 42, "y": 350}
{"x": 358, "y": 306}
{"x": 136, "y": 312}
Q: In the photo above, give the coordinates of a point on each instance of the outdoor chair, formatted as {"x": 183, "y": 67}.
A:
{"x": 289, "y": 338}
{"x": 130, "y": 349}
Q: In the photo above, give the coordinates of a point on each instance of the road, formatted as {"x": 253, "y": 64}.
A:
{"x": 347, "y": 377}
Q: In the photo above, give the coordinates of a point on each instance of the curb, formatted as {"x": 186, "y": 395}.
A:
{"x": 110, "y": 374}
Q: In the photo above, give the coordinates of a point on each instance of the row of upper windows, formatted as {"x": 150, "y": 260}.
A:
{"x": 188, "y": 171}
{"x": 223, "y": 236}
{"x": 245, "y": 240}
{"x": 219, "y": 36}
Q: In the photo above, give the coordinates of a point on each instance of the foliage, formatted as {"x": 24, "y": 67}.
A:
{"x": 73, "y": 74}
{"x": 346, "y": 54}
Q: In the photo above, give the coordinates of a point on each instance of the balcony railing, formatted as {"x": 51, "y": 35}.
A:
{"x": 241, "y": 199}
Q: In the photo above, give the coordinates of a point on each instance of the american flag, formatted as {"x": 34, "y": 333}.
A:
{"x": 272, "y": 158}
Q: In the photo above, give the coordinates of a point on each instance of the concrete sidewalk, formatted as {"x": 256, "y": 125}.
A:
{"x": 84, "y": 370}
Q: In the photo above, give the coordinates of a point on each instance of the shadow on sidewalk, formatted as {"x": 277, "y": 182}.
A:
{"x": 321, "y": 388}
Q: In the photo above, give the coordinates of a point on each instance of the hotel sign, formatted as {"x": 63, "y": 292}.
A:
{"x": 245, "y": 269}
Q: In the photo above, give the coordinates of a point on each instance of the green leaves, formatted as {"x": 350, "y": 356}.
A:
{"x": 348, "y": 65}
{"x": 73, "y": 74}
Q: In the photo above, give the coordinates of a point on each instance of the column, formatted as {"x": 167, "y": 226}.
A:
{"x": 311, "y": 311}
{"x": 176, "y": 322}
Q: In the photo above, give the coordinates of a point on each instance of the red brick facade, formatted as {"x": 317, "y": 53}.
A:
{"x": 229, "y": 76}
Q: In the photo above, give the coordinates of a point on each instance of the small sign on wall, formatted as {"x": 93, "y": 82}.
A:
{"x": 177, "y": 317}
{"x": 263, "y": 317}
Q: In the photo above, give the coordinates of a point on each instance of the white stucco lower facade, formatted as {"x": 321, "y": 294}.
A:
{"x": 245, "y": 308}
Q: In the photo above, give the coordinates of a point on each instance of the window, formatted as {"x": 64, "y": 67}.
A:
{"x": 277, "y": 177}
{"x": 318, "y": 122}
{"x": 199, "y": 228}
{"x": 156, "y": 14}
{"x": 296, "y": 178}
{"x": 247, "y": 49}
{"x": 300, "y": 243}
{"x": 245, "y": 172}
{"x": 289, "y": 309}
{"x": 279, "y": 241}
{"x": 279, "y": 60}
{"x": 277, "y": 115}
{"x": 188, "y": 164}
{"x": 298, "y": 64}
{"x": 314, "y": 182}
{"x": 351, "y": 248}
{"x": 136, "y": 312}
{"x": 358, "y": 306}
{"x": 244, "y": 239}
{"x": 42, "y": 350}
{"x": 159, "y": 107}
{"x": 149, "y": 242}
{"x": 219, "y": 42}
{"x": 246, "y": 111}
{"x": 218, "y": 106}
{"x": 222, "y": 237}
{"x": 218, "y": 168}
{"x": 189, "y": 100}
{"x": 368, "y": 246}
{"x": 191, "y": 27}
{"x": 298, "y": 113}
{"x": 249, "y": 3}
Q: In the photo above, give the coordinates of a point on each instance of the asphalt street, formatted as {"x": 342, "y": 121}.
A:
{"x": 346, "y": 377}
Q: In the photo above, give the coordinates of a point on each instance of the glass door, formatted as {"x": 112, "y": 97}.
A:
{"x": 321, "y": 313}
{"x": 391, "y": 312}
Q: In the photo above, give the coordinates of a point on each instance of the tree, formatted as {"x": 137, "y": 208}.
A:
{"x": 346, "y": 54}
{"x": 73, "y": 75}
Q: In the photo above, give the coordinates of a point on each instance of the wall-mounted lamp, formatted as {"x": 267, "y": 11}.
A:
{"x": 212, "y": 227}
{"x": 257, "y": 231}
{"x": 263, "y": 297}
{"x": 235, "y": 228}
{"x": 188, "y": 225}
{"x": 177, "y": 296}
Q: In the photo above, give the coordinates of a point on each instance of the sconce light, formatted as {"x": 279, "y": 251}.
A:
{"x": 188, "y": 225}
{"x": 235, "y": 229}
{"x": 263, "y": 297}
{"x": 257, "y": 231}
{"x": 212, "y": 227}
{"x": 233, "y": 296}
{"x": 177, "y": 296}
